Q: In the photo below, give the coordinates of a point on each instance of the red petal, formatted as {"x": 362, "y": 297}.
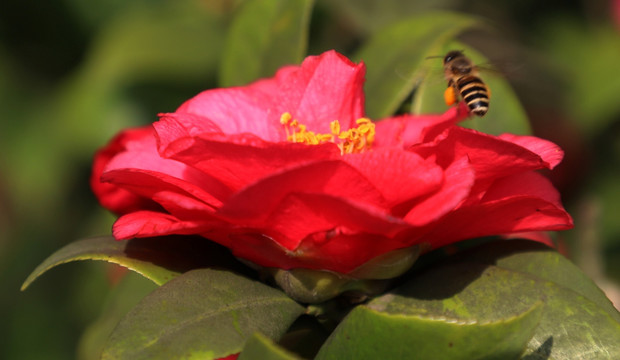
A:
{"x": 300, "y": 215}
{"x": 490, "y": 157}
{"x": 239, "y": 160}
{"x": 333, "y": 177}
{"x": 531, "y": 205}
{"x": 233, "y": 111}
{"x": 176, "y": 196}
{"x": 548, "y": 151}
{"x": 111, "y": 196}
{"x": 230, "y": 357}
{"x": 459, "y": 179}
{"x": 407, "y": 130}
{"x": 324, "y": 88}
{"x": 342, "y": 253}
{"x": 399, "y": 175}
{"x": 144, "y": 172}
{"x": 152, "y": 223}
{"x": 525, "y": 184}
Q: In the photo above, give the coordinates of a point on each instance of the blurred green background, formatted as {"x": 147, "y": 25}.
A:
{"x": 74, "y": 72}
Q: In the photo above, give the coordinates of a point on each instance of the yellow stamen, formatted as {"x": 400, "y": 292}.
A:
{"x": 354, "y": 140}
{"x": 285, "y": 118}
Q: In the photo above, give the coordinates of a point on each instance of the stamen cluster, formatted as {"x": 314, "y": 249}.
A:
{"x": 353, "y": 140}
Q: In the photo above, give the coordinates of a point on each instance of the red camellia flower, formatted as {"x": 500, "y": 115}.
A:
{"x": 286, "y": 172}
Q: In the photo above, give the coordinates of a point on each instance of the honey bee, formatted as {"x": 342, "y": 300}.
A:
{"x": 463, "y": 80}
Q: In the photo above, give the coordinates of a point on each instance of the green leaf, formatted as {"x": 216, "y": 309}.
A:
{"x": 177, "y": 42}
{"x": 589, "y": 84}
{"x": 159, "y": 259}
{"x": 205, "y": 314}
{"x": 261, "y": 347}
{"x": 503, "y": 279}
{"x": 373, "y": 333}
{"x": 544, "y": 263}
{"x": 396, "y": 55}
{"x": 264, "y": 36}
{"x": 118, "y": 302}
{"x": 506, "y": 114}
{"x": 367, "y": 16}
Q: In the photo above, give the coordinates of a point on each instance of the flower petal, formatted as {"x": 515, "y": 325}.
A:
{"x": 233, "y": 111}
{"x": 111, "y": 196}
{"x": 238, "y": 160}
{"x": 407, "y": 130}
{"x": 152, "y": 223}
{"x": 143, "y": 171}
{"x": 324, "y": 88}
{"x": 490, "y": 156}
{"x": 531, "y": 205}
{"x": 459, "y": 179}
{"x": 548, "y": 151}
{"x": 407, "y": 176}
{"x": 300, "y": 215}
{"x": 343, "y": 253}
{"x": 527, "y": 184}
{"x": 332, "y": 177}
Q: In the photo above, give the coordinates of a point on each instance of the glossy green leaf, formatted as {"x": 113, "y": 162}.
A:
{"x": 506, "y": 114}
{"x": 203, "y": 314}
{"x": 118, "y": 302}
{"x": 396, "y": 55}
{"x": 261, "y": 347}
{"x": 264, "y": 36}
{"x": 159, "y": 259}
{"x": 576, "y": 320}
{"x": 373, "y": 332}
{"x": 544, "y": 263}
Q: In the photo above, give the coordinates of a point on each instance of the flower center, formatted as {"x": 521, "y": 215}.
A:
{"x": 354, "y": 140}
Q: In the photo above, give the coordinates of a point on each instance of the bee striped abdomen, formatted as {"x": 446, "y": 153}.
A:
{"x": 475, "y": 94}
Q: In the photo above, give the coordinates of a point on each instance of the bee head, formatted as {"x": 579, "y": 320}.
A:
{"x": 452, "y": 55}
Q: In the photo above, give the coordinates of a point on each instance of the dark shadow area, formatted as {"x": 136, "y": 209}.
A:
{"x": 463, "y": 268}
{"x": 453, "y": 277}
{"x": 184, "y": 253}
{"x": 543, "y": 352}
{"x": 305, "y": 337}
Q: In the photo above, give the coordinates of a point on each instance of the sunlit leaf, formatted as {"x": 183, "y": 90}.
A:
{"x": 505, "y": 278}
{"x": 261, "y": 347}
{"x": 204, "y": 314}
{"x": 543, "y": 263}
{"x": 395, "y": 57}
{"x": 376, "y": 332}
{"x": 264, "y": 36}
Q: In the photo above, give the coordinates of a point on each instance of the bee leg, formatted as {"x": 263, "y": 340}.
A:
{"x": 450, "y": 96}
